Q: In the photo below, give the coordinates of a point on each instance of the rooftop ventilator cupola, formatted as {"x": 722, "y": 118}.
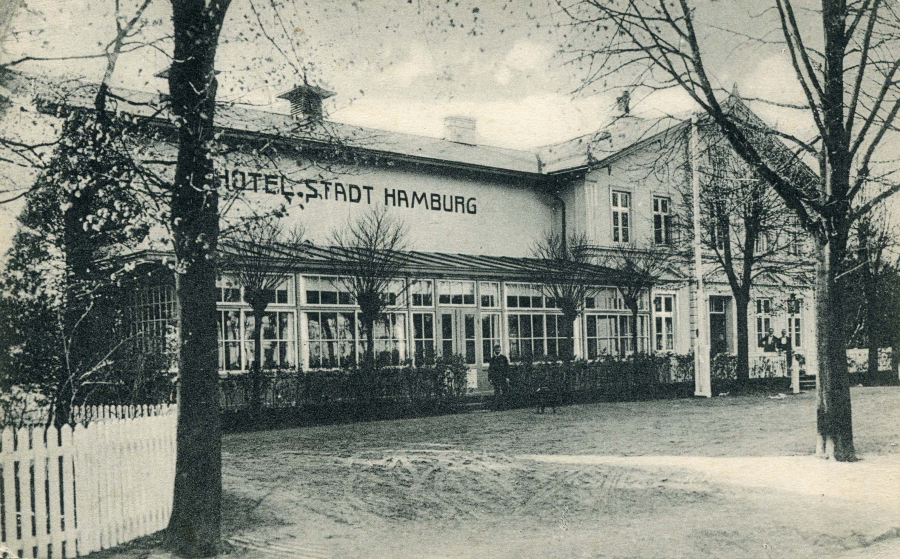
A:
{"x": 306, "y": 101}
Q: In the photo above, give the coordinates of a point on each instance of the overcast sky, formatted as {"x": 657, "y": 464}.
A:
{"x": 406, "y": 64}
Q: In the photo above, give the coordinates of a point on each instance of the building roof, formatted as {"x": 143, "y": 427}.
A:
{"x": 246, "y": 119}
{"x": 327, "y": 259}
{"x": 596, "y": 149}
{"x": 599, "y": 147}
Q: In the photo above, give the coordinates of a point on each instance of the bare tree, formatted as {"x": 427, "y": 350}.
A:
{"x": 639, "y": 270}
{"x": 564, "y": 272}
{"x": 873, "y": 240}
{"x": 370, "y": 257}
{"x": 746, "y": 228}
{"x": 195, "y": 525}
{"x": 185, "y": 191}
{"x": 261, "y": 256}
{"x": 850, "y": 93}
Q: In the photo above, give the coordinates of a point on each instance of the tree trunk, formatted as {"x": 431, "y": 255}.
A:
{"x": 367, "y": 371}
{"x": 367, "y": 325}
{"x": 634, "y": 328}
{"x": 195, "y": 525}
{"x": 833, "y": 412}
{"x": 568, "y": 332}
{"x": 256, "y": 372}
{"x": 742, "y": 366}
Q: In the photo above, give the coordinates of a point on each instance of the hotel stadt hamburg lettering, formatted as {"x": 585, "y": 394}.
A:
{"x": 310, "y": 189}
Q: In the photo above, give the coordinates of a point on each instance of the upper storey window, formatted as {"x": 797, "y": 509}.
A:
{"x": 662, "y": 220}
{"x": 621, "y": 217}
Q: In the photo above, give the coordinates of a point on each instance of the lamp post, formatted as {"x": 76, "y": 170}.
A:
{"x": 795, "y": 371}
{"x": 702, "y": 383}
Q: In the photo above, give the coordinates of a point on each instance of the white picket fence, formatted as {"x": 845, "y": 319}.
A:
{"x": 89, "y": 414}
{"x": 34, "y": 416}
{"x": 72, "y": 492}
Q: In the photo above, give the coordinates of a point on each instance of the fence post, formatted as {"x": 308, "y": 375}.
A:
{"x": 85, "y": 491}
{"x": 24, "y": 490}
{"x": 8, "y": 519}
{"x": 42, "y": 457}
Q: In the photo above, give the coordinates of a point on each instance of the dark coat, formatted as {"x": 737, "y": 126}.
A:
{"x": 784, "y": 344}
{"x": 498, "y": 369}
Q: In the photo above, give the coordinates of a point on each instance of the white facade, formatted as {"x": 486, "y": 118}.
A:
{"x": 445, "y": 210}
{"x": 471, "y": 206}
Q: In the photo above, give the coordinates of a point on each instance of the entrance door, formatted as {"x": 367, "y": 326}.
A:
{"x": 490, "y": 336}
{"x": 718, "y": 325}
{"x": 458, "y": 338}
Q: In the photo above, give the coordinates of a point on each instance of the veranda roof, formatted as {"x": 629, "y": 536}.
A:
{"x": 326, "y": 260}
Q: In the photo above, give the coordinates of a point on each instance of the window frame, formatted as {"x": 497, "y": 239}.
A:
{"x": 795, "y": 321}
{"x": 427, "y": 299}
{"x": 618, "y": 337}
{"x": 525, "y": 292}
{"x": 336, "y": 339}
{"x": 662, "y": 220}
{"x": 664, "y": 322}
{"x": 621, "y": 215}
{"x": 452, "y": 294}
{"x": 245, "y": 344}
{"x": 498, "y": 295}
{"x": 428, "y": 344}
{"x": 763, "y": 309}
{"x": 338, "y": 289}
{"x": 494, "y": 323}
{"x": 394, "y": 317}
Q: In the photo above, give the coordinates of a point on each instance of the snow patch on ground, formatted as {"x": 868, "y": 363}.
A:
{"x": 875, "y": 480}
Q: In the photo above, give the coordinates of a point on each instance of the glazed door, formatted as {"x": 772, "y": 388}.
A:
{"x": 458, "y": 338}
{"x": 458, "y": 334}
{"x": 718, "y": 326}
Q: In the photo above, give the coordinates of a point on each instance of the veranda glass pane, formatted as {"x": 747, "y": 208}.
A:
{"x": 313, "y": 326}
{"x": 269, "y": 360}
{"x": 233, "y": 356}
{"x": 513, "y": 326}
{"x": 315, "y": 355}
{"x": 286, "y": 326}
{"x": 525, "y": 324}
{"x": 269, "y": 330}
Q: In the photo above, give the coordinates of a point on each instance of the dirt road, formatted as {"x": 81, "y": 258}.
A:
{"x": 690, "y": 478}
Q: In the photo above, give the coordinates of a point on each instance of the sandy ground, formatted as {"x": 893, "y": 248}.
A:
{"x": 727, "y": 477}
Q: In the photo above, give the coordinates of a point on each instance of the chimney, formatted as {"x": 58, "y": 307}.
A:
{"x": 306, "y": 101}
{"x": 460, "y": 129}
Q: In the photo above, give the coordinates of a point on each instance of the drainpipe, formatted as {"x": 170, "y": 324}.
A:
{"x": 562, "y": 207}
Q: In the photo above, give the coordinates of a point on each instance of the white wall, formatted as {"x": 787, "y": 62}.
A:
{"x": 643, "y": 174}
{"x": 489, "y": 216}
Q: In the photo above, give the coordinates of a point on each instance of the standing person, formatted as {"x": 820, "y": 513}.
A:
{"x": 785, "y": 345}
{"x": 498, "y": 374}
{"x": 770, "y": 342}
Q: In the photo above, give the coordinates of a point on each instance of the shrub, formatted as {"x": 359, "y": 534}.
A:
{"x": 22, "y": 406}
{"x": 768, "y": 367}
{"x": 636, "y": 376}
{"x": 723, "y": 367}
